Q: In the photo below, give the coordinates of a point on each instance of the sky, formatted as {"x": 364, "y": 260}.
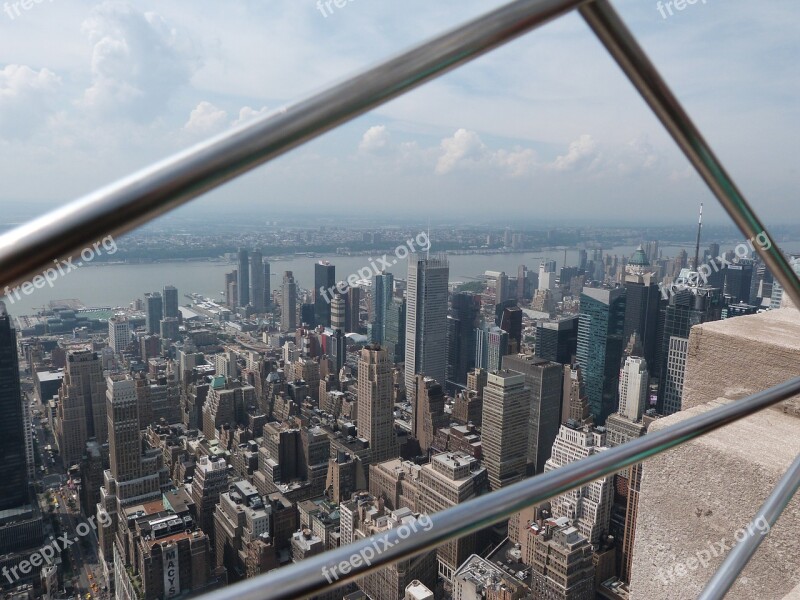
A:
{"x": 546, "y": 127}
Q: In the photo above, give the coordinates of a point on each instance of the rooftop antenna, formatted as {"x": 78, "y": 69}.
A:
{"x": 428, "y": 250}
{"x": 697, "y": 246}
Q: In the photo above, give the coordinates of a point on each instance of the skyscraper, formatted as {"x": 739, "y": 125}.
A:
{"x": 382, "y": 295}
{"x": 13, "y": 467}
{"x": 243, "y": 277}
{"x": 490, "y": 348}
{"x": 426, "y": 318}
{"x": 642, "y": 297}
{"x": 461, "y": 336}
{"x": 557, "y": 339}
{"x": 155, "y": 311}
{"x": 119, "y": 333}
{"x": 375, "y": 408}
{"x": 523, "y": 287}
{"x": 544, "y": 382}
{"x": 633, "y": 386}
{"x": 395, "y": 330}
{"x": 547, "y": 275}
{"x": 600, "y": 329}
{"x": 502, "y": 288}
{"x": 562, "y": 563}
{"x": 257, "y": 280}
{"x": 428, "y": 412}
{"x": 267, "y": 285}
{"x": 504, "y": 428}
{"x": 338, "y": 312}
{"x": 81, "y": 406}
{"x": 289, "y": 302}
{"x": 686, "y": 307}
{"x": 232, "y": 289}
{"x": 588, "y": 507}
{"x": 352, "y": 309}
{"x": 324, "y": 280}
{"x": 509, "y": 319}
{"x": 171, "y": 303}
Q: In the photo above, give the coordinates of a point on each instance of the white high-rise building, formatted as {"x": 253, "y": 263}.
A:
{"x": 426, "y": 318}
{"x": 633, "y": 382}
{"x": 119, "y": 333}
{"x": 547, "y": 275}
{"x": 588, "y": 508}
{"x": 777, "y": 288}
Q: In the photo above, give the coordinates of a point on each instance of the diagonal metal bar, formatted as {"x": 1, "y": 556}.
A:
{"x": 313, "y": 576}
{"x": 143, "y": 196}
{"x": 724, "y": 578}
{"x": 621, "y": 44}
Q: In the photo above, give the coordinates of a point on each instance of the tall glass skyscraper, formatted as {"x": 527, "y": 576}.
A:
{"x": 382, "y": 292}
{"x": 461, "y": 336}
{"x": 243, "y": 278}
{"x": 170, "y": 296}
{"x": 600, "y": 331}
{"x": 642, "y": 298}
{"x": 426, "y": 318}
{"x": 324, "y": 279}
{"x": 395, "y": 330}
{"x": 155, "y": 312}
{"x": 13, "y": 466}
{"x": 257, "y": 280}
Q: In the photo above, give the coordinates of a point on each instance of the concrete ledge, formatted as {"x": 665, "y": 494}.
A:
{"x": 724, "y": 477}
{"x": 743, "y": 355}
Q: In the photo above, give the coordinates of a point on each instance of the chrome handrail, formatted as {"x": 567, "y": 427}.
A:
{"x": 312, "y": 576}
{"x": 725, "y": 576}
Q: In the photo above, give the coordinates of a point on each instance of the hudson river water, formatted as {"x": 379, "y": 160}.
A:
{"x": 120, "y": 284}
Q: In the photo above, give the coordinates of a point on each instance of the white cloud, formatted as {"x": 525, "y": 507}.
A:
{"x": 206, "y": 119}
{"x": 580, "y": 152}
{"x": 376, "y": 138}
{"x": 26, "y": 99}
{"x": 463, "y": 146}
{"x": 138, "y": 61}
{"x": 248, "y": 114}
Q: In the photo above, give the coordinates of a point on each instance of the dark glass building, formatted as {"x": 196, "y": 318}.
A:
{"x": 557, "y": 339}
{"x": 642, "y": 302}
{"x": 324, "y": 279}
{"x": 13, "y": 462}
{"x": 600, "y": 329}
{"x": 171, "y": 303}
{"x": 465, "y": 309}
{"x": 155, "y": 312}
{"x": 243, "y": 279}
{"x": 395, "y": 331}
{"x": 382, "y": 293}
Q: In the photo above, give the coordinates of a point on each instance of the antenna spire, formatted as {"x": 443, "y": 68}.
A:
{"x": 697, "y": 245}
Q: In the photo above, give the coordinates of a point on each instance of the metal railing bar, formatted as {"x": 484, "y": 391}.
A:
{"x": 620, "y": 43}
{"x": 140, "y": 197}
{"x": 727, "y": 573}
{"x": 308, "y": 578}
